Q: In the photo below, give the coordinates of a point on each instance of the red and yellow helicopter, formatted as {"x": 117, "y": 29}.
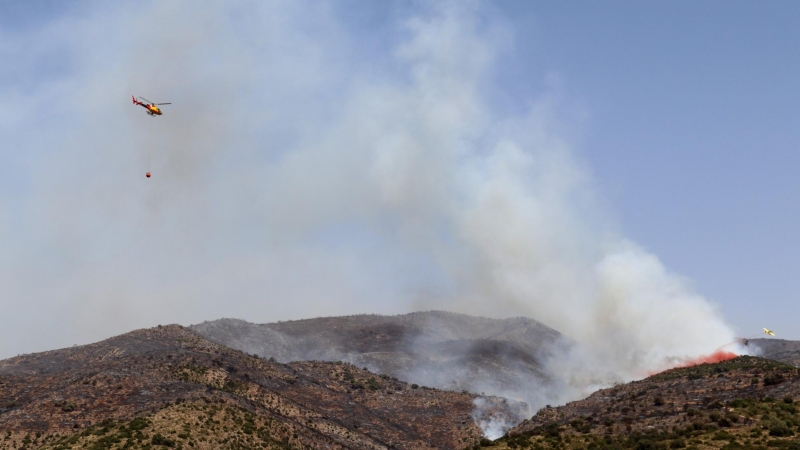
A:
{"x": 152, "y": 108}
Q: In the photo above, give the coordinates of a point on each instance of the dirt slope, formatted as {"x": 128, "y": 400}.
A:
{"x": 167, "y": 386}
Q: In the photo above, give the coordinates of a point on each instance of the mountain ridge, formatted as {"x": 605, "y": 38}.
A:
{"x": 437, "y": 348}
{"x": 167, "y": 384}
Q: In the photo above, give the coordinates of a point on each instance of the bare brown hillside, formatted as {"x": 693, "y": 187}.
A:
{"x": 170, "y": 387}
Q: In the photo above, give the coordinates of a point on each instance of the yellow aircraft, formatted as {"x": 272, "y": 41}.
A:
{"x": 152, "y": 108}
{"x": 769, "y": 332}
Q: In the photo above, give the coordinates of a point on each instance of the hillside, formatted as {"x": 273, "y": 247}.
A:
{"x": 746, "y": 402}
{"x": 779, "y": 350}
{"x": 169, "y": 387}
{"x": 436, "y": 348}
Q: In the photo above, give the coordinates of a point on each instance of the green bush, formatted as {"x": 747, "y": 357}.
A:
{"x": 158, "y": 439}
{"x": 740, "y": 403}
{"x": 723, "y": 436}
{"x": 646, "y": 444}
{"x": 373, "y": 384}
{"x": 779, "y": 428}
{"x": 678, "y": 443}
{"x": 139, "y": 423}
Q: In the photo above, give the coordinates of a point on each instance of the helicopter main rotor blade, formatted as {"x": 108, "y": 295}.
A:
{"x": 148, "y": 101}
{"x": 163, "y": 103}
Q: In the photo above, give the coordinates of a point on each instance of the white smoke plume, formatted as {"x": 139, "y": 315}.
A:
{"x": 300, "y": 172}
{"x": 493, "y": 426}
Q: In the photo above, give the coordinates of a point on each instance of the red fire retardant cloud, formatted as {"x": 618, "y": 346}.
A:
{"x": 717, "y": 356}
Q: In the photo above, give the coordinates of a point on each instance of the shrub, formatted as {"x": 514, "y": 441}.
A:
{"x": 138, "y": 423}
{"x": 158, "y": 439}
{"x": 581, "y": 426}
{"x": 373, "y": 384}
{"x": 714, "y": 405}
{"x": 739, "y": 403}
{"x": 723, "y": 436}
{"x": 779, "y": 428}
{"x": 646, "y": 444}
{"x": 789, "y": 408}
{"x": 552, "y": 430}
{"x": 658, "y": 401}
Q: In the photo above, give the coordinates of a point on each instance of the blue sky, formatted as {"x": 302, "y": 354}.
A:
{"x": 693, "y": 137}
{"x": 352, "y": 157}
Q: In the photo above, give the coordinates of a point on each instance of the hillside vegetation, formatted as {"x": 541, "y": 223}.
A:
{"x": 743, "y": 403}
{"x": 166, "y": 387}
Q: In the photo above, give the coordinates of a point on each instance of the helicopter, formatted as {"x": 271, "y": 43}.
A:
{"x": 152, "y": 108}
